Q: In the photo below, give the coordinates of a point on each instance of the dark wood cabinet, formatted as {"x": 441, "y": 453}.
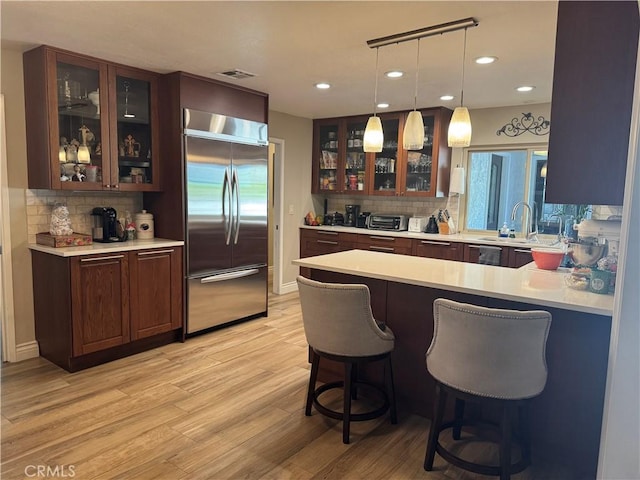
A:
{"x": 91, "y": 309}
{"x": 321, "y": 242}
{"x": 91, "y": 124}
{"x": 384, "y": 243}
{"x": 438, "y": 249}
{"x": 155, "y": 286}
{"x": 341, "y": 166}
{"x": 593, "y": 83}
{"x": 99, "y": 302}
{"x": 519, "y": 257}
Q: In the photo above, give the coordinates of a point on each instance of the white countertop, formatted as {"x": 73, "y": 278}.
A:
{"x": 527, "y": 284}
{"x": 106, "y": 247}
{"x": 478, "y": 238}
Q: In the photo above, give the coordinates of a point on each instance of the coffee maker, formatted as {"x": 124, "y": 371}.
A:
{"x": 351, "y": 215}
{"x": 106, "y": 227}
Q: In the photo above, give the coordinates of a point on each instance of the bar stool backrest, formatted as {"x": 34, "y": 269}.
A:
{"x": 489, "y": 352}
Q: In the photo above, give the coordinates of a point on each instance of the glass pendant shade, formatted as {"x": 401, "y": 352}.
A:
{"x": 373, "y": 136}
{"x": 460, "y": 128}
{"x": 62, "y": 154}
{"x": 413, "y": 135}
{"x": 543, "y": 170}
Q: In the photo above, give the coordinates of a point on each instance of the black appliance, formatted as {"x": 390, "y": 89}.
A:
{"x": 337, "y": 219}
{"x": 361, "y": 222}
{"x": 106, "y": 227}
{"x": 432, "y": 226}
{"x": 351, "y": 215}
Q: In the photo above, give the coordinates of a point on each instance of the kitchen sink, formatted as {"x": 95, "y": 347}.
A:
{"x": 502, "y": 239}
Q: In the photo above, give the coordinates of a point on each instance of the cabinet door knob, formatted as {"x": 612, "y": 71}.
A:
{"x": 106, "y": 185}
{"x": 115, "y": 186}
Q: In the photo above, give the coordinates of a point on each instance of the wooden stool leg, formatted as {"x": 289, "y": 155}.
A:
{"x": 354, "y": 383}
{"x": 315, "y": 361}
{"x": 391, "y": 393}
{"x": 441, "y": 397}
{"x": 505, "y": 443}
{"x": 346, "y": 412}
{"x": 525, "y": 432}
{"x": 459, "y": 414}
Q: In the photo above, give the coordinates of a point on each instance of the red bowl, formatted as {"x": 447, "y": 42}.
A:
{"x": 547, "y": 259}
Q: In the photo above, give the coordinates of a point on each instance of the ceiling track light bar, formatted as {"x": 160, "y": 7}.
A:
{"x": 423, "y": 32}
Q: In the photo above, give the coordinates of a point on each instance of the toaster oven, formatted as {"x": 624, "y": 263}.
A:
{"x": 378, "y": 221}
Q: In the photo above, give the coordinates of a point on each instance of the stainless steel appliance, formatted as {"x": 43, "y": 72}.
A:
{"x": 226, "y": 230}
{"x": 378, "y": 221}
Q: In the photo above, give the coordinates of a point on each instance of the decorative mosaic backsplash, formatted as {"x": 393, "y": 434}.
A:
{"x": 80, "y": 204}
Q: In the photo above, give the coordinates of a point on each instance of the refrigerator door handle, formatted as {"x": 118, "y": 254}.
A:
{"x": 229, "y": 276}
{"x": 226, "y": 195}
{"x": 236, "y": 192}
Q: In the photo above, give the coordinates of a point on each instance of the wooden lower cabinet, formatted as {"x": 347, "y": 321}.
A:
{"x": 438, "y": 249}
{"x": 519, "y": 257}
{"x": 321, "y": 242}
{"x": 387, "y": 244}
{"x": 91, "y": 309}
{"x": 473, "y": 254}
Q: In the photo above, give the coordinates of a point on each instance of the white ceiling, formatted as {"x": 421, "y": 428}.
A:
{"x": 292, "y": 45}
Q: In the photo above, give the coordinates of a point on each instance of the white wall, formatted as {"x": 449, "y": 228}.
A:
{"x": 297, "y": 134}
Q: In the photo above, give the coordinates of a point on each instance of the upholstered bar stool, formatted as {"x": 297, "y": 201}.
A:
{"x": 340, "y": 326}
{"x": 489, "y": 356}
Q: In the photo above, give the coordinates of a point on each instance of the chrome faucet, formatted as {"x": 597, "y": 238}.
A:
{"x": 530, "y": 233}
{"x": 559, "y": 217}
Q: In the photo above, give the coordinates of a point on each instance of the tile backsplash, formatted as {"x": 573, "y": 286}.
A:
{"x": 80, "y": 204}
{"x": 419, "y": 207}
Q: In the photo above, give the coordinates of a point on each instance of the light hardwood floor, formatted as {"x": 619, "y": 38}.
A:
{"x": 225, "y": 405}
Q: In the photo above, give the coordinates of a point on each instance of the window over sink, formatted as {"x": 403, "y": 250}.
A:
{"x": 497, "y": 179}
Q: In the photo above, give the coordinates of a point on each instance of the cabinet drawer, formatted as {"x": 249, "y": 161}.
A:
{"x": 319, "y": 242}
{"x": 519, "y": 257}
{"x": 438, "y": 249}
{"x": 382, "y": 243}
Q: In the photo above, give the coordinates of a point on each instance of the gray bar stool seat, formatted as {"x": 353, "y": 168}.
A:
{"x": 490, "y": 356}
{"x": 339, "y": 326}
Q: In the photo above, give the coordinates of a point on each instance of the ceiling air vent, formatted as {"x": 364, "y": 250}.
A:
{"x": 237, "y": 74}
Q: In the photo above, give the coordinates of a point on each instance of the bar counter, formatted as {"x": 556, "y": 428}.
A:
{"x": 567, "y": 416}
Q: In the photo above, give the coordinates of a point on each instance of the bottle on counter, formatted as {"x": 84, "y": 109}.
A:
{"x": 504, "y": 231}
{"x": 512, "y": 233}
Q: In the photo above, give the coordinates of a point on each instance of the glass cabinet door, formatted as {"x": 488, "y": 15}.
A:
{"x": 327, "y": 159}
{"x": 418, "y": 173}
{"x": 385, "y": 165}
{"x": 355, "y": 169}
{"x": 133, "y": 126}
{"x": 82, "y": 130}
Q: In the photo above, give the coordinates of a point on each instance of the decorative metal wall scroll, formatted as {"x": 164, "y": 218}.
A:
{"x": 527, "y": 123}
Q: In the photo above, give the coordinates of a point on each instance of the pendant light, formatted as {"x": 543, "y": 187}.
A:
{"x": 373, "y": 135}
{"x": 460, "y": 125}
{"x": 413, "y": 135}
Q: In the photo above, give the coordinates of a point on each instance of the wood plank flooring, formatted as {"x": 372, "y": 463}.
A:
{"x": 225, "y": 405}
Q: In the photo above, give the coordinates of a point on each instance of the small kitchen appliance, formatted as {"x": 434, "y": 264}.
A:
{"x": 432, "y": 226}
{"x": 144, "y": 225}
{"x": 363, "y": 220}
{"x": 351, "y": 215}
{"x": 417, "y": 224}
{"x": 106, "y": 227}
{"x": 382, "y": 221}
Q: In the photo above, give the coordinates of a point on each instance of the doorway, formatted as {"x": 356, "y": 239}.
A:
{"x": 276, "y": 193}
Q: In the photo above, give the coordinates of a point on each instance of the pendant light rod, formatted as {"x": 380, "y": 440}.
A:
{"x": 464, "y": 57}
{"x": 375, "y": 91}
{"x": 415, "y": 95}
{"x": 423, "y": 32}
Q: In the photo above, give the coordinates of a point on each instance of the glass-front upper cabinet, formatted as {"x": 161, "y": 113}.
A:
{"x": 425, "y": 172}
{"x": 386, "y": 163}
{"x": 326, "y": 144}
{"x": 80, "y": 129}
{"x": 78, "y": 115}
{"x": 355, "y": 167}
{"x": 134, "y": 124}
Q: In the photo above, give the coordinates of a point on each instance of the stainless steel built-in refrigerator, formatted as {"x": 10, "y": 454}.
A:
{"x": 226, "y": 231}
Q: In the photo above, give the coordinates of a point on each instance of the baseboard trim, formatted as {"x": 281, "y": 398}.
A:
{"x": 288, "y": 288}
{"x": 25, "y": 351}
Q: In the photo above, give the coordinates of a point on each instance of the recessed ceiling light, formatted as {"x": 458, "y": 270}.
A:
{"x": 525, "y": 88}
{"x": 322, "y": 85}
{"x": 394, "y": 74}
{"x": 446, "y": 98}
{"x": 486, "y": 60}
{"x": 383, "y": 105}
